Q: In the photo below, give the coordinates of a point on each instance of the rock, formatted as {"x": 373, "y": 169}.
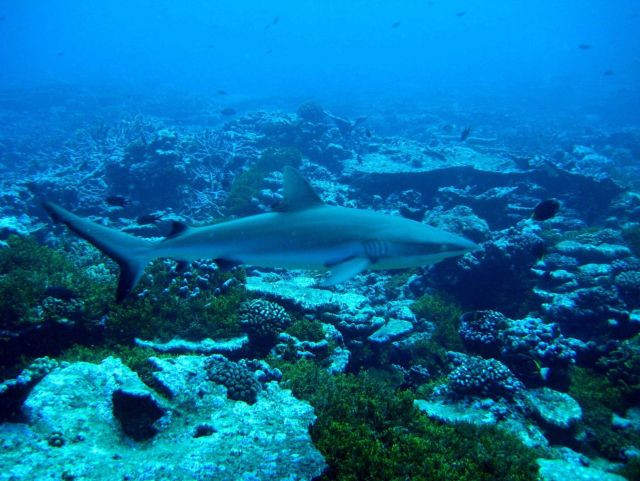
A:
{"x": 631, "y": 421}
{"x": 211, "y": 438}
{"x": 339, "y": 360}
{"x": 206, "y": 346}
{"x": 14, "y": 391}
{"x": 618, "y": 422}
{"x": 455, "y": 413}
{"x": 137, "y": 412}
{"x": 183, "y": 379}
{"x": 556, "y": 410}
{"x": 588, "y": 253}
{"x": 560, "y": 470}
{"x": 350, "y": 312}
{"x": 513, "y": 423}
{"x": 392, "y": 330}
{"x": 14, "y": 226}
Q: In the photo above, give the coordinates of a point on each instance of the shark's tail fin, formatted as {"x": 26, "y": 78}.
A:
{"x": 131, "y": 253}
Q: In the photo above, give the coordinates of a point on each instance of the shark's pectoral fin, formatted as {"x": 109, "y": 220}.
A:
{"x": 345, "y": 270}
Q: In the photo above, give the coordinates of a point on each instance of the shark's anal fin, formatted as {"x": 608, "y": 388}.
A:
{"x": 345, "y": 270}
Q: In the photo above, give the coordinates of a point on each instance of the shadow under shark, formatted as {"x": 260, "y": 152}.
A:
{"x": 303, "y": 233}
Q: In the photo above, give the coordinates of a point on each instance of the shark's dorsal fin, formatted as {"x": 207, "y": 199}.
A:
{"x": 298, "y": 194}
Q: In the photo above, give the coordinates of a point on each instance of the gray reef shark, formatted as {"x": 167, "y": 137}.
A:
{"x": 303, "y": 233}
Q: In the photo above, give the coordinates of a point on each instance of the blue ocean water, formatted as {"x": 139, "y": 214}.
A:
{"x": 517, "y": 55}
{"x": 319, "y": 240}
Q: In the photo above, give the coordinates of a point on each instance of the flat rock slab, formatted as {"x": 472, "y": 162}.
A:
{"x": 300, "y": 293}
{"x": 560, "y": 470}
{"x": 206, "y": 346}
{"x": 408, "y": 156}
{"x": 554, "y": 408}
{"x": 528, "y": 433}
{"x": 207, "y": 438}
{"x": 392, "y": 330}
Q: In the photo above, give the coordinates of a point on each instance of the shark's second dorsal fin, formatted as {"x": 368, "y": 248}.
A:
{"x": 298, "y": 194}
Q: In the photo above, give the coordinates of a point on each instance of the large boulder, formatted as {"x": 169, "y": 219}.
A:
{"x": 80, "y": 421}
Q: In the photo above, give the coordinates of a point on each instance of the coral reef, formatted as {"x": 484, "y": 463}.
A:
{"x": 502, "y": 267}
{"x": 475, "y": 376}
{"x": 359, "y": 352}
{"x": 148, "y": 167}
{"x": 533, "y": 349}
{"x": 240, "y": 382}
{"x": 263, "y": 320}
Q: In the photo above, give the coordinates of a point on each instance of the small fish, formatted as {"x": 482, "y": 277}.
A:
{"x": 585, "y": 46}
{"x": 367, "y": 133}
{"x": 117, "y": 201}
{"x": 148, "y": 219}
{"x": 460, "y": 14}
{"x": 273, "y": 22}
{"x": 221, "y": 92}
{"x": 60, "y": 54}
{"x": 465, "y": 134}
{"x": 60, "y": 292}
{"x": 228, "y": 111}
{"x": 545, "y": 210}
{"x": 607, "y": 73}
{"x": 396, "y": 24}
{"x": 269, "y": 51}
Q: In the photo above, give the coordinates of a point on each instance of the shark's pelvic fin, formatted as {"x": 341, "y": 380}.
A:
{"x": 131, "y": 253}
{"x": 177, "y": 228}
{"x": 298, "y": 194}
{"x": 345, "y": 270}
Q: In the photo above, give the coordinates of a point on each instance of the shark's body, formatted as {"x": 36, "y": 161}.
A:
{"x": 303, "y": 234}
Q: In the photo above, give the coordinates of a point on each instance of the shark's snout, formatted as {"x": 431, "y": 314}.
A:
{"x": 468, "y": 246}
{"x": 458, "y": 245}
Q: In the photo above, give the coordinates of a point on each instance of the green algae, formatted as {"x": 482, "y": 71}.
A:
{"x": 306, "y": 330}
{"x": 444, "y": 312}
{"x": 28, "y": 270}
{"x": 600, "y": 399}
{"x": 164, "y": 313}
{"x": 368, "y": 430}
{"x": 248, "y": 183}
